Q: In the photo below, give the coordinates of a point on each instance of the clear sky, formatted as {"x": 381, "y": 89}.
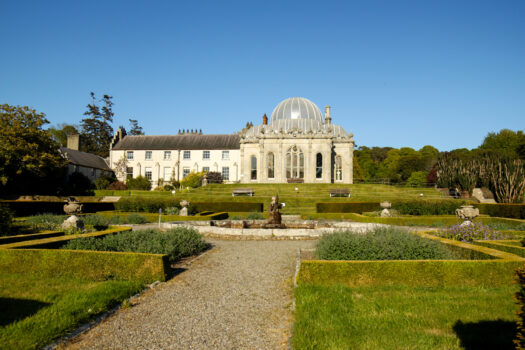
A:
{"x": 396, "y": 73}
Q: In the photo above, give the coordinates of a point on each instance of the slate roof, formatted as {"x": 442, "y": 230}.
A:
{"x": 179, "y": 142}
{"x": 85, "y": 159}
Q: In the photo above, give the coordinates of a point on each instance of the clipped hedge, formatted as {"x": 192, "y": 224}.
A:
{"x": 153, "y": 204}
{"x": 503, "y": 245}
{"x": 28, "y": 208}
{"x": 346, "y": 207}
{"x": 57, "y": 242}
{"x": 97, "y": 266}
{"x": 427, "y": 207}
{"x": 502, "y": 210}
{"x": 520, "y": 298}
{"x": 154, "y": 217}
{"x": 30, "y": 237}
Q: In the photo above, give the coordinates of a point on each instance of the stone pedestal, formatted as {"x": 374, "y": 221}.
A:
{"x": 73, "y": 222}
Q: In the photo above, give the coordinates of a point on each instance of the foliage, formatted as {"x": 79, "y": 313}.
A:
{"x": 507, "y": 178}
{"x": 176, "y": 243}
{"x": 193, "y": 180}
{"x": 120, "y": 167}
{"x": 153, "y": 204}
{"x": 417, "y": 179}
{"x": 6, "y": 219}
{"x": 78, "y": 184}
{"x": 60, "y": 133}
{"x": 520, "y": 298}
{"x": 348, "y": 207}
{"x": 117, "y": 186}
{"x": 135, "y": 128}
{"x": 103, "y": 182}
{"x": 379, "y": 244}
{"x": 172, "y": 210}
{"x": 505, "y": 141}
{"x": 99, "y": 222}
{"x": 136, "y": 219}
{"x": 427, "y": 207}
{"x": 212, "y": 177}
{"x": 469, "y": 233}
{"x": 96, "y": 127}
{"x": 46, "y": 221}
{"x": 503, "y": 210}
{"x": 255, "y": 216}
{"x": 30, "y": 161}
{"x": 138, "y": 183}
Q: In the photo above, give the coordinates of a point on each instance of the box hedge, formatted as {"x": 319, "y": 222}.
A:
{"x": 97, "y": 266}
{"x": 412, "y": 207}
{"x": 28, "y": 208}
{"x": 346, "y": 207}
{"x": 154, "y": 217}
{"x": 505, "y": 246}
{"x": 153, "y": 204}
{"x": 29, "y": 237}
{"x": 502, "y": 210}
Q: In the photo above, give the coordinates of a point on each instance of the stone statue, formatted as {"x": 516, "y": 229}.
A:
{"x": 184, "y": 210}
{"x": 275, "y": 215}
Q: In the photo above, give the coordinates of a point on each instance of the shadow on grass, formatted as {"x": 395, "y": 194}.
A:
{"x": 12, "y": 309}
{"x": 496, "y": 334}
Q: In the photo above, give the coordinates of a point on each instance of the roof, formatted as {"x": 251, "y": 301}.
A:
{"x": 296, "y": 108}
{"x": 178, "y": 142}
{"x": 298, "y": 126}
{"x": 85, "y": 159}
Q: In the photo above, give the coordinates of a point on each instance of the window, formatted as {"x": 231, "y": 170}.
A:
{"x": 148, "y": 173}
{"x": 225, "y": 173}
{"x": 148, "y": 155}
{"x": 294, "y": 163}
{"x": 167, "y": 155}
{"x": 270, "y": 165}
{"x": 253, "y": 161}
{"x": 338, "y": 168}
{"x": 94, "y": 172}
{"x": 185, "y": 172}
{"x": 206, "y": 169}
{"x": 129, "y": 155}
{"x": 167, "y": 174}
{"x": 129, "y": 172}
{"x": 319, "y": 166}
{"x": 187, "y": 154}
{"x": 205, "y": 154}
{"x": 225, "y": 155}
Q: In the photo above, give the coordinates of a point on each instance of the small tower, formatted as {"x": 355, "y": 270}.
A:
{"x": 265, "y": 119}
{"x": 327, "y": 118}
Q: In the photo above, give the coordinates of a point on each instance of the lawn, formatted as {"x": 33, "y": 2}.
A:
{"x": 34, "y": 311}
{"x": 398, "y": 317}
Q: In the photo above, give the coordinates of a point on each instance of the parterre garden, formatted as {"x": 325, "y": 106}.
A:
{"x": 446, "y": 288}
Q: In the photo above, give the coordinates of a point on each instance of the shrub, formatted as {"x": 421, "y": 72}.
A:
{"x": 176, "y": 243}
{"x": 153, "y": 204}
{"x": 138, "y": 183}
{"x": 78, "y": 184}
{"x": 236, "y": 217}
{"x": 46, "y": 221}
{"x": 352, "y": 207}
{"x": 117, "y": 186}
{"x": 103, "y": 182}
{"x": 516, "y": 211}
{"x": 380, "y": 244}
{"x": 469, "y": 233}
{"x": 417, "y": 179}
{"x": 520, "y": 298}
{"x": 97, "y": 221}
{"x": 507, "y": 226}
{"x": 116, "y": 220}
{"x": 172, "y": 211}
{"x": 254, "y": 216}
{"x": 6, "y": 219}
{"x": 136, "y": 219}
{"x": 427, "y": 207}
{"x": 193, "y": 180}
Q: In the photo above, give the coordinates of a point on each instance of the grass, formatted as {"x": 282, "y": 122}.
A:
{"x": 34, "y": 310}
{"x": 339, "y": 317}
{"x": 297, "y": 202}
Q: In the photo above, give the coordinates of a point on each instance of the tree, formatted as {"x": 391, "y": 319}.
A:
{"x": 506, "y": 141}
{"x": 30, "y": 161}
{"x": 96, "y": 128}
{"x": 60, "y": 133}
{"x": 135, "y": 128}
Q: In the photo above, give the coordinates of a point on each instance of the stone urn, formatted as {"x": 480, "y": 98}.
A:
{"x": 467, "y": 213}
{"x": 184, "y": 211}
{"x": 385, "y": 213}
{"x": 72, "y": 206}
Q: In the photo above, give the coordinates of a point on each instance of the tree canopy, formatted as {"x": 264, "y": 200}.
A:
{"x": 96, "y": 126}
{"x": 135, "y": 128}
{"x": 60, "y": 133}
{"x": 29, "y": 157}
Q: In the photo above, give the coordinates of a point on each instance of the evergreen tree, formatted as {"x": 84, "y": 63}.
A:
{"x": 96, "y": 127}
{"x": 60, "y": 133}
{"x": 135, "y": 128}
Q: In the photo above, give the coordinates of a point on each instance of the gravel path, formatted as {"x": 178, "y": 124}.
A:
{"x": 237, "y": 296}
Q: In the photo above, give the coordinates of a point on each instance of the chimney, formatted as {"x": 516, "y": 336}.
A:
{"x": 265, "y": 119}
{"x": 73, "y": 142}
{"x": 327, "y": 118}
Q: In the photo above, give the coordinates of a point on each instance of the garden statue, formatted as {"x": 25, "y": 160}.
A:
{"x": 184, "y": 210}
{"x": 385, "y": 213}
{"x": 275, "y": 215}
{"x": 73, "y": 222}
{"x": 467, "y": 213}
{"x": 72, "y": 206}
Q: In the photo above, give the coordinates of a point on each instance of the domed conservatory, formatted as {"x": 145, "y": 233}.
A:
{"x": 297, "y": 144}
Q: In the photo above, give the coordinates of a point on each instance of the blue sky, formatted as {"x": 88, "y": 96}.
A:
{"x": 396, "y": 73}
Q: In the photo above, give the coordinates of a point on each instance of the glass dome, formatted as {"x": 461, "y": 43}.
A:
{"x": 296, "y": 108}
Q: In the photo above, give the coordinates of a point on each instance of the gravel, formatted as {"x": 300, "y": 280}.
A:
{"x": 237, "y": 296}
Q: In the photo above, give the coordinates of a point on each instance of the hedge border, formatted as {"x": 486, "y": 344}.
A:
{"x": 154, "y": 217}
{"x": 415, "y": 273}
{"x": 29, "y": 237}
{"x": 56, "y": 242}
{"x": 92, "y": 265}
{"x": 500, "y": 245}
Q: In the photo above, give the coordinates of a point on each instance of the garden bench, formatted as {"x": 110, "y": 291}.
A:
{"x": 243, "y": 192}
{"x": 339, "y": 192}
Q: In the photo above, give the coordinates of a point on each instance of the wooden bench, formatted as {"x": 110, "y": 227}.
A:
{"x": 339, "y": 192}
{"x": 243, "y": 192}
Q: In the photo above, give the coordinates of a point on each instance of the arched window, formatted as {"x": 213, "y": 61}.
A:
{"x": 270, "y": 165}
{"x": 319, "y": 166}
{"x": 338, "y": 168}
{"x": 294, "y": 163}
{"x": 253, "y": 161}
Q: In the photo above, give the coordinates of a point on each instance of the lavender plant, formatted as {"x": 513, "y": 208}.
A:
{"x": 469, "y": 233}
